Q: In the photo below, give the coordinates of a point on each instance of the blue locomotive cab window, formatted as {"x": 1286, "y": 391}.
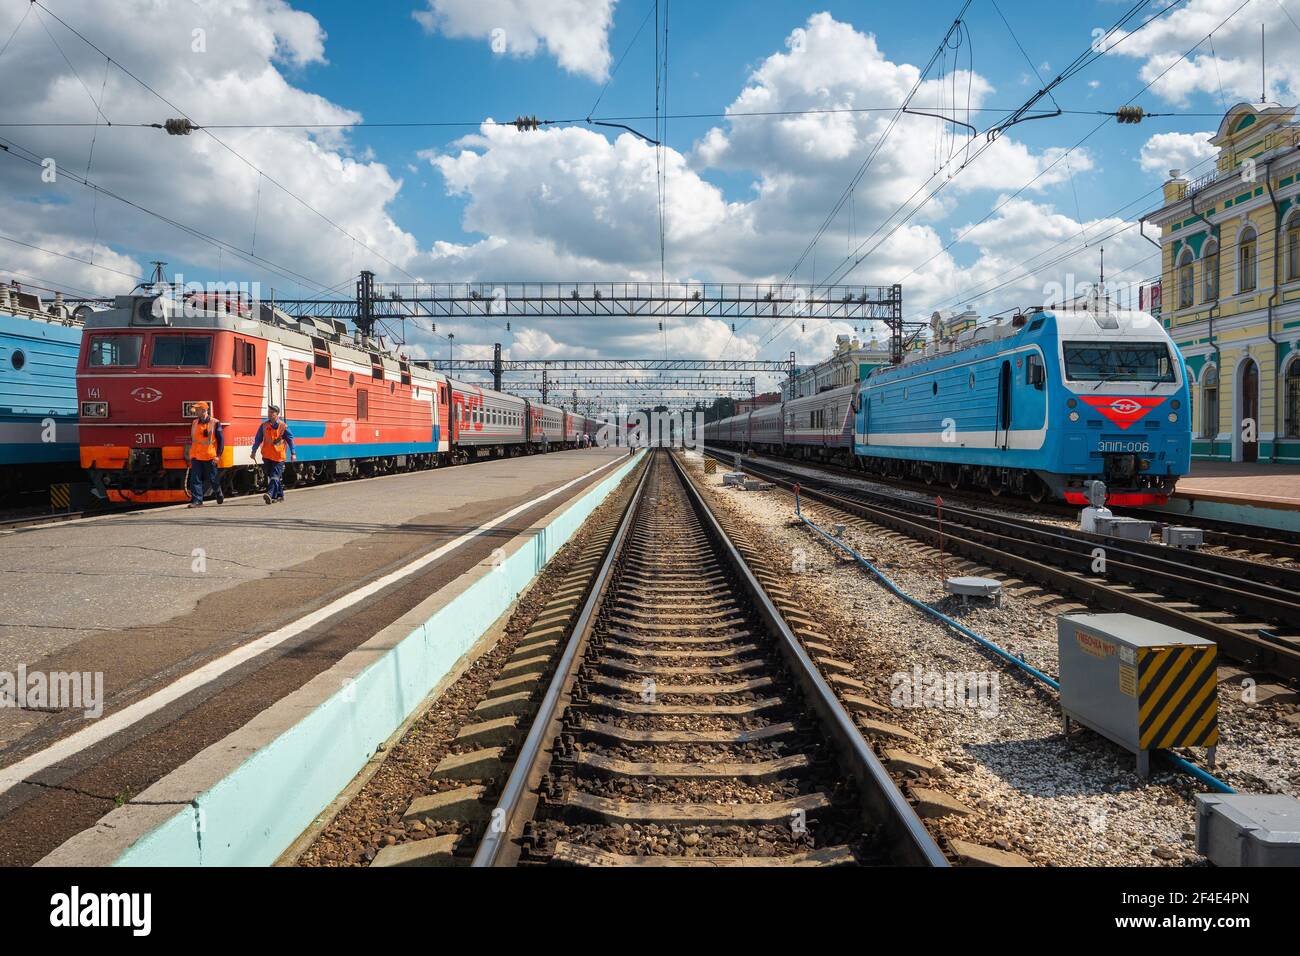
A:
{"x": 182, "y": 351}
{"x": 1118, "y": 362}
{"x": 1035, "y": 373}
{"x": 115, "y": 351}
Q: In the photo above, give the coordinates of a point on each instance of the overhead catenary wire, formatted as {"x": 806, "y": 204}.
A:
{"x": 841, "y": 271}
{"x": 852, "y": 261}
{"x": 16, "y": 151}
{"x": 223, "y": 144}
{"x": 836, "y": 274}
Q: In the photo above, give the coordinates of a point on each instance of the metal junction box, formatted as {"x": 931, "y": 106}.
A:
{"x": 1130, "y": 529}
{"x": 1183, "y": 537}
{"x": 1143, "y": 685}
{"x": 1240, "y": 829}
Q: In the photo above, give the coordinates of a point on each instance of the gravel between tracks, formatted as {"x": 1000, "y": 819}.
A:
{"x": 1056, "y": 803}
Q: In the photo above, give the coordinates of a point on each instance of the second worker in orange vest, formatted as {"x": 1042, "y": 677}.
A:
{"x": 276, "y": 441}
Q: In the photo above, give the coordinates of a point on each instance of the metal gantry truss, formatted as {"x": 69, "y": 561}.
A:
{"x": 771, "y": 367}
{"x": 546, "y": 386}
{"x": 377, "y": 301}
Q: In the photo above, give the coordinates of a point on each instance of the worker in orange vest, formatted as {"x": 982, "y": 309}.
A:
{"x": 206, "y": 446}
{"x": 275, "y": 440}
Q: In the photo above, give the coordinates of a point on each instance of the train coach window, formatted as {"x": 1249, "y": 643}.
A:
{"x": 321, "y": 360}
{"x": 181, "y": 351}
{"x": 17, "y": 359}
{"x": 115, "y": 351}
{"x": 971, "y": 382}
{"x": 307, "y": 371}
{"x": 363, "y": 405}
{"x": 934, "y": 388}
{"x": 352, "y": 380}
{"x": 392, "y": 388}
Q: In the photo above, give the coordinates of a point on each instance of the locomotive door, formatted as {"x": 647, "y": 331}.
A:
{"x": 1002, "y": 435}
{"x": 276, "y": 375}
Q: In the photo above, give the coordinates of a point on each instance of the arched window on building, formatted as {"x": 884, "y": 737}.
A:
{"x": 1247, "y": 264}
{"x": 1291, "y": 398}
{"x": 1210, "y": 270}
{"x": 1186, "y": 279}
{"x": 1292, "y": 247}
{"x": 1210, "y": 402}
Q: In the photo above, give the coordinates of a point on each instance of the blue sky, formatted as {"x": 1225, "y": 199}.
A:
{"x": 746, "y": 195}
{"x": 713, "y": 47}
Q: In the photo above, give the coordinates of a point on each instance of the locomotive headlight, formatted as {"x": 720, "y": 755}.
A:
{"x": 94, "y": 409}
{"x": 1173, "y": 417}
{"x": 1074, "y": 416}
{"x": 1072, "y": 403}
{"x": 1175, "y": 404}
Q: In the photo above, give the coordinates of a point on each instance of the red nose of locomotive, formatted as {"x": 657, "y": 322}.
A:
{"x": 139, "y": 392}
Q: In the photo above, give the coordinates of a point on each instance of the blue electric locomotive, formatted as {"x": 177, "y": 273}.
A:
{"x": 38, "y": 392}
{"x": 1038, "y": 405}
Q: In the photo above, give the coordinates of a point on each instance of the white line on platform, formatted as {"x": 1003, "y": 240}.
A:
{"x": 114, "y": 723}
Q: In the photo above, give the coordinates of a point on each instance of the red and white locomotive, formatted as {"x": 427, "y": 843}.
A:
{"x": 354, "y": 408}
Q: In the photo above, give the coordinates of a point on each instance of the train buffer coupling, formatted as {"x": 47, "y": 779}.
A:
{"x": 1141, "y": 684}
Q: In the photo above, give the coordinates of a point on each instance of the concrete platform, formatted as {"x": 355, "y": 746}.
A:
{"x": 1257, "y": 493}
{"x": 199, "y": 620}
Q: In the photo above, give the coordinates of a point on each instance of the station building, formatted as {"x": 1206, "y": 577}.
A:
{"x": 1230, "y": 286}
{"x": 850, "y": 362}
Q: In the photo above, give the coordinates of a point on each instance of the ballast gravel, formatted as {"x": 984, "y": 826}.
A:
{"x": 1000, "y": 749}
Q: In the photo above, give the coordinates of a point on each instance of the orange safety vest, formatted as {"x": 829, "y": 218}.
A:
{"x": 203, "y": 440}
{"x": 273, "y": 440}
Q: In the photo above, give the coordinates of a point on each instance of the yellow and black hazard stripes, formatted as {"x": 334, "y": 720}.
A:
{"x": 60, "y": 497}
{"x": 1178, "y": 703}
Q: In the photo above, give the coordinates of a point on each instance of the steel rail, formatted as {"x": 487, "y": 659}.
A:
{"x": 911, "y": 842}
{"x": 1233, "y": 535}
{"x": 496, "y": 847}
{"x": 887, "y": 809}
{"x": 1263, "y": 650}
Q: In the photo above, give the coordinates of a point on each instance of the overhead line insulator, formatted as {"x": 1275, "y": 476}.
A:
{"x": 1129, "y": 114}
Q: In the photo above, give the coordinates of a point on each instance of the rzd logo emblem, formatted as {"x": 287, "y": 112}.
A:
{"x": 1123, "y": 411}
{"x": 146, "y": 394}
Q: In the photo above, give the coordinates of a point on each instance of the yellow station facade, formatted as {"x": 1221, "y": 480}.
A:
{"x": 1230, "y": 286}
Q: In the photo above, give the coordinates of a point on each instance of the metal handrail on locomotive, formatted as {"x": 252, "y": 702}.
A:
{"x": 1039, "y": 405}
{"x": 354, "y": 407}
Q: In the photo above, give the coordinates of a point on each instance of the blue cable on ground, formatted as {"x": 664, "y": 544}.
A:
{"x": 1184, "y": 765}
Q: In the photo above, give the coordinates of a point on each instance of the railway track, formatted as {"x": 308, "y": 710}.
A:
{"x": 686, "y": 725}
{"x": 1245, "y": 541}
{"x": 1250, "y": 609}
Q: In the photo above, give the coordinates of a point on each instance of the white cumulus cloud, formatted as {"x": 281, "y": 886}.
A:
{"x": 575, "y": 32}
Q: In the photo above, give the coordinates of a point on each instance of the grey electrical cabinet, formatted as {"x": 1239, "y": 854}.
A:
{"x": 1143, "y": 685}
